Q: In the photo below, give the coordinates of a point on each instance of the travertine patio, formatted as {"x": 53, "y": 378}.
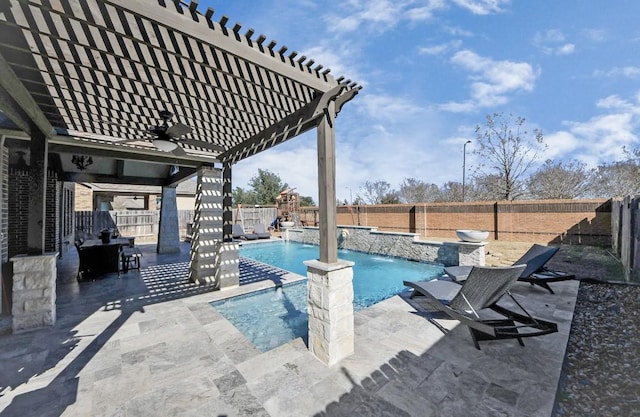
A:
{"x": 149, "y": 343}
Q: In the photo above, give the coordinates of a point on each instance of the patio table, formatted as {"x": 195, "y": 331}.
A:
{"x": 97, "y": 257}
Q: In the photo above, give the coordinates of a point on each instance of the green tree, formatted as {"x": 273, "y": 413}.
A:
{"x": 267, "y": 185}
{"x": 241, "y": 196}
{"x": 506, "y": 152}
{"x": 306, "y": 201}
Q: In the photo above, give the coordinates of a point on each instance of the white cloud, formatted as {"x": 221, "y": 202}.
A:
{"x": 339, "y": 61}
{"x": 615, "y": 102}
{"x": 553, "y": 42}
{"x": 380, "y": 15}
{"x": 493, "y": 81}
{"x": 601, "y": 138}
{"x": 457, "y": 31}
{"x": 387, "y": 107}
{"x": 482, "y": 7}
{"x": 625, "y": 72}
{"x": 424, "y": 11}
{"x": 560, "y": 144}
{"x": 595, "y": 35}
{"x": 440, "y": 49}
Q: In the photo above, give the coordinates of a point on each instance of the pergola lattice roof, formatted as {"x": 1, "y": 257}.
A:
{"x": 98, "y": 72}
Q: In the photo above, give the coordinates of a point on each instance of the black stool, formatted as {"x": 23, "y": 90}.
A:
{"x": 130, "y": 258}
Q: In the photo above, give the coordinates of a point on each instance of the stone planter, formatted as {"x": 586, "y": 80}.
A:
{"x": 474, "y": 236}
{"x": 287, "y": 225}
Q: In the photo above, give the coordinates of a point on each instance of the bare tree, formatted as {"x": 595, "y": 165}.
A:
{"x": 449, "y": 192}
{"x": 506, "y": 152}
{"x": 620, "y": 178}
{"x": 378, "y": 192}
{"x": 488, "y": 188}
{"x": 558, "y": 180}
{"x": 417, "y": 191}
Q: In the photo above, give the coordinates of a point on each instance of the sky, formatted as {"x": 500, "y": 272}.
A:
{"x": 432, "y": 70}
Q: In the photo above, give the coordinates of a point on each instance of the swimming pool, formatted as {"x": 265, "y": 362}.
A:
{"x": 270, "y": 318}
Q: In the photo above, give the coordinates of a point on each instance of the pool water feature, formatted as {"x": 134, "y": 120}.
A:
{"x": 270, "y": 318}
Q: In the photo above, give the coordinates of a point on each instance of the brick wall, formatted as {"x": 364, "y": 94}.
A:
{"x": 4, "y": 221}
{"x": 18, "y": 215}
{"x": 585, "y": 222}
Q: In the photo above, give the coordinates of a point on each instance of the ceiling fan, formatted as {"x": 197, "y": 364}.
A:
{"x": 167, "y": 138}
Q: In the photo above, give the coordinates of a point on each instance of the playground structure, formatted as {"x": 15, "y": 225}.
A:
{"x": 286, "y": 209}
{"x": 288, "y": 203}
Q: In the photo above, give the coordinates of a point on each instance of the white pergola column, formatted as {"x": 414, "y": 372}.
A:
{"x": 213, "y": 261}
{"x": 330, "y": 281}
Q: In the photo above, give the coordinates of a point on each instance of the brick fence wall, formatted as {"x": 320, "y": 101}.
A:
{"x": 583, "y": 222}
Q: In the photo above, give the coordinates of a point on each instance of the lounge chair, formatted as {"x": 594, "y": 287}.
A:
{"x": 481, "y": 290}
{"x": 238, "y": 233}
{"x": 259, "y": 229}
{"x": 535, "y": 273}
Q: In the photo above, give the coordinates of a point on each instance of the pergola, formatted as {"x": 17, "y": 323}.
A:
{"x": 89, "y": 77}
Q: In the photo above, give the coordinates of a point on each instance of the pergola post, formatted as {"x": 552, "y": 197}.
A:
{"x": 37, "y": 193}
{"x": 213, "y": 260}
{"x": 330, "y": 281}
{"x": 34, "y": 274}
{"x": 169, "y": 228}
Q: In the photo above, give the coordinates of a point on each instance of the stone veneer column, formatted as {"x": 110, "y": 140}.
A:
{"x": 34, "y": 291}
{"x": 212, "y": 259}
{"x": 169, "y": 229}
{"x": 471, "y": 253}
{"x": 330, "y": 305}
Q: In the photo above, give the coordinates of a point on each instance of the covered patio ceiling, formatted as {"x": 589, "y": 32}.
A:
{"x": 93, "y": 76}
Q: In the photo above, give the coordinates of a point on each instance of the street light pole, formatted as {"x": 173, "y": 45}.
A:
{"x": 464, "y": 165}
{"x": 350, "y": 196}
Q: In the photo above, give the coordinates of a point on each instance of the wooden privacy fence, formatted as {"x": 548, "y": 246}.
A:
{"x": 143, "y": 224}
{"x": 250, "y": 216}
{"x": 625, "y": 231}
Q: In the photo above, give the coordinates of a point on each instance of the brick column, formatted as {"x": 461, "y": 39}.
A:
{"x": 34, "y": 291}
{"x": 168, "y": 232}
{"x": 330, "y": 298}
{"x": 212, "y": 259}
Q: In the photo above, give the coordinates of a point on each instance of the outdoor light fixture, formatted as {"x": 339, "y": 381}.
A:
{"x": 82, "y": 162}
{"x": 164, "y": 145}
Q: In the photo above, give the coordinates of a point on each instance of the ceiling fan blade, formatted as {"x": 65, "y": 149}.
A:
{"x": 178, "y": 151}
{"x": 178, "y": 130}
{"x": 132, "y": 140}
{"x": 202, "y": 144}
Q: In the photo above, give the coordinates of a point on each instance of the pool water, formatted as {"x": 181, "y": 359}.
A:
{"x": 270, "y": 318}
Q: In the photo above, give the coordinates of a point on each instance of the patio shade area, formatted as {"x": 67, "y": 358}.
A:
{"x": 93, "y": 76}
{"x": 152, "y": 92}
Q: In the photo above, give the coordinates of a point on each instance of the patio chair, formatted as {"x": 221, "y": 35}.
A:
{"x": 238, "y": 233}
{"x": 479, "y": 293}
{"x": 130, "y": 256}
{"x": 261, "y": 231}
{"x": 535, "y": 273}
